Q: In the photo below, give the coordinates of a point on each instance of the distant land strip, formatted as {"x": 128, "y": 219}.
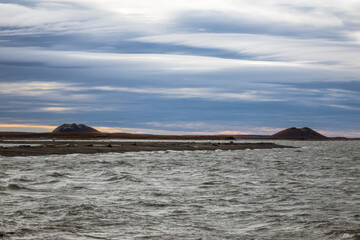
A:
{"x": 81, "y": 131}
{"x": 35, "y": 144}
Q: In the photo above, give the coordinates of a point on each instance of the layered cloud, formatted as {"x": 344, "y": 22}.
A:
{"x": 301, "y": 14}
{"x": 159, "y": 62}
{"x": 271, "y": 48}
{"x": 251, "y": 63}
{"x": 57, "y": 93}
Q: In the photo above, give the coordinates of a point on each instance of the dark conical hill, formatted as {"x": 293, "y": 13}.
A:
{"x": 74, "y": 128}
{"x": 298, "y": 134}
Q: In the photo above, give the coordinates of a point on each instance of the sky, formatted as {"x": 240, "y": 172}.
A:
{"x": 181, "y": 67}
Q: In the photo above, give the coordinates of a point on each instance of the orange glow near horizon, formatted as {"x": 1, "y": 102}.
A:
{"x": 108, "y": 129}
{"x": 351, "y": 134}
{"x": 27, "y": 126}
{"x": 255, "y": 131}
{"x": 222, "y": 133}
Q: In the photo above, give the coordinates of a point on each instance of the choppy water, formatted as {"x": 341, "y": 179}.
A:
{"x": 312, "y": 192}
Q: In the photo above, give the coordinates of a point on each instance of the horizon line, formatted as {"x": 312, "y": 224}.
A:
{"x": 262, "y": 131}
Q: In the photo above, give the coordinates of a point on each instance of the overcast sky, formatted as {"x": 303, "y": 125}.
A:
{"x": 190, "y": 66}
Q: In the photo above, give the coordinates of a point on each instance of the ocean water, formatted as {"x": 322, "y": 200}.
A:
{"x": 309, "y": 192}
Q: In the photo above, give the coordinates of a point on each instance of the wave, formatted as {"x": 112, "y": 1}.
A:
{"x": 13, "y": 186}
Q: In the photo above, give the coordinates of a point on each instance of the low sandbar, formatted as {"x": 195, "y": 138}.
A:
{"x": 38, "y": 148}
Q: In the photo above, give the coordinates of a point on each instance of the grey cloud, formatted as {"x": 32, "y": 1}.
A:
{"x": 58, "y": 19}
{"x": 271, "y": 48}
{"x": 220, "y": 22}
{"x": 66, "y": 92}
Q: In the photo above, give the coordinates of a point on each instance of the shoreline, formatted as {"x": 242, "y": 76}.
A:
{"x": 40, "y": 148}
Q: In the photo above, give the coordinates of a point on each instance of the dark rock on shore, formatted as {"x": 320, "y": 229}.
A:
{"x": 75, "y": 128}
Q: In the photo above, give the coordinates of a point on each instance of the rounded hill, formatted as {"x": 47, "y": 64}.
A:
{"x": 74, "y": 128}
{"x": 298, "y": 134}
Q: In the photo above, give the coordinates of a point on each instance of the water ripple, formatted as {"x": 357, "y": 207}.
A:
{"x": 311, "y": 192}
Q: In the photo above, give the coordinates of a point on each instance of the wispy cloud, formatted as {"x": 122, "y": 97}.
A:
{"x": 270, "y": 48}
{"x": 144, "y": 62}
{"x": 44, "y": 90}
{"x": 53, "y": 90}
{"x": 206, "y": 93}
{"x": 57, "y": 109}
{"x": 345, "y": 107}
{"x": 77, "y": 15}
{"x": 265, "y": 93}
{"x": 54, "y": 17}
